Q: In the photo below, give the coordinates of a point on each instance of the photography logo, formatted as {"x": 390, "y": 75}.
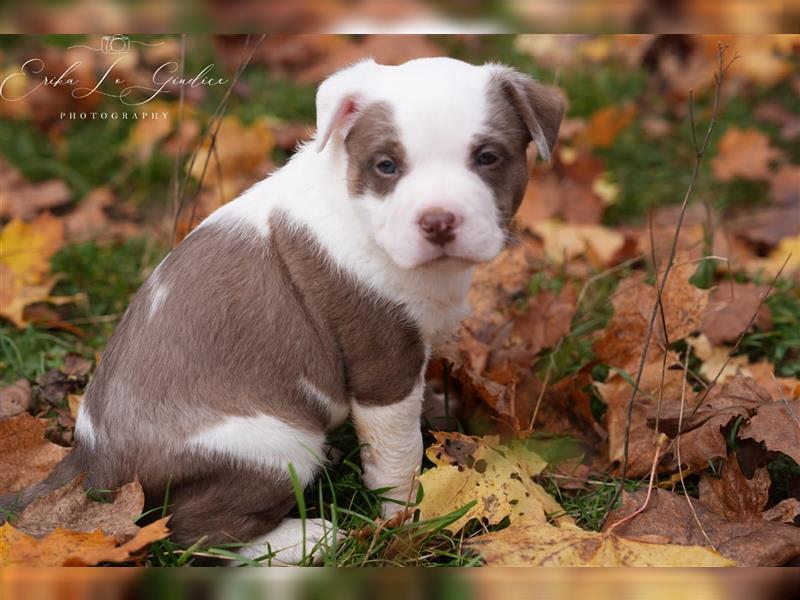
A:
{"x": 115, "y": 44}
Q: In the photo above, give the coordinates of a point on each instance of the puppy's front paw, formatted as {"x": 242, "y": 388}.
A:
{"x": 292, "y": 543}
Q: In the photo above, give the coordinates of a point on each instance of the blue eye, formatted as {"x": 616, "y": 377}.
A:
{"x": 387, "y": 167}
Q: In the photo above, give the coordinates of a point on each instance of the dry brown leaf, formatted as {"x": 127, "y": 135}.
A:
{"x": 785, "y": 511}
{"x": 777, "y": 424}
{"x": 616, "y": 393}
{"x": 734, "y": 496}
{"x": 69, "y": 507}
{"x": 547, "y": 319}
{"x": 497, "y": 478}
{"x": 774, "y": 113}
{"x": 607, "y": 123}
{"x": 21, "y": 199}
{"x": 542, "y": 545}
{"x": 730, "y": 309}
{"x": 623, "y": 338}
{"x": 15, "y": 398}
{"x": 744, "y": 153}
{"x": 72, "y": 548}
{"x": 25, "y": 456}
{"x": 549, "y": 196}
{"x": 751, "y": 543}
{"x": 89, "y": 219}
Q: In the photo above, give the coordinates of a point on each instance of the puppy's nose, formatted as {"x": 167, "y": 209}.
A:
{"x": 438, "y": 226}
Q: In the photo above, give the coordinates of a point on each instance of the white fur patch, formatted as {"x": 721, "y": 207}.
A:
{"x": 158, "y": 295}
{"x": 264, "y": 441}
{"x": 84, "y": 430}
{"x": 393, "y": 453}
{"x": 337, "y": 412}
{"x": 287, "y": 540}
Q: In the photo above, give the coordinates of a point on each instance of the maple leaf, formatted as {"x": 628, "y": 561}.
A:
{"x": 734, "y": 496}
{"x": 541, "y": 545}
{"x": 623, "y": 338}
{"x": 63, "y": 547}
{"x": 497, "y": 478}
{"x": 729, "y": 310}
{"x": 25, "y": 456}
{"x": 744, "y": 153}
{"x": 25, "y": 251}
{"x": 750, "y": 542}
{"x": 777, "y": 424}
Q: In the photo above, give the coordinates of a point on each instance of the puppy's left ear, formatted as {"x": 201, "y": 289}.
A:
{"x": 540, "y": 106}
{"x": 338, "y": 100}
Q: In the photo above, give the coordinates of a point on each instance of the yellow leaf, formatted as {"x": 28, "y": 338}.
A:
{"x": 565, "y": 241}
{"x": 239, "y": 149}
{"x": 540, "y": 544}
{"x": 498, "y": 478}
{"x": 26, "y": 248}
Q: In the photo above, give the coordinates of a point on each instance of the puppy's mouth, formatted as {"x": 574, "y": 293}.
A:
{"x": 448, "y": 262}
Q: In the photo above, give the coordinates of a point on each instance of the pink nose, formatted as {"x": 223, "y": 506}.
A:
{"x": 438, "y": 226}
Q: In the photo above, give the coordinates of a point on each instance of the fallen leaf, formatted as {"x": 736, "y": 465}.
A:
{"x": 607, "y": 123}
{"x": 89, "y": 219}
{"x": 21, "y": 199}
{"x": 15, "y": 398}
{"x": 787, "y": 121}
{"x": 777, "y": 424}
{"x": 564, "y": 241}
{"x": 622, "y": 340}
{"x": 542, "y": 545}
{"x": 730, "y": 309}
{"x": 73, "y": 548}
{"x": 743, "y": 153}
{"x": 785, "y": 511}
{"x": 25, "y": 251}
{"x": 734, "y": 496}
{"x": 616, "y": 392}
{"x": 25, "y": 456}
{"x": 471, "y": 469}
{"x": 751, "y": 543}
{"x": 69, "y": 507}
{"x": 546, "y": 320}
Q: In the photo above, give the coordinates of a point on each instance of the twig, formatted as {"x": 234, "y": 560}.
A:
{"x": 211, "y": 132}
{"x": 659, "y": 445}
{"x": 699, "y": 152}
{"x": 663, "y": 327}
{"x": 176, "y": 190}
{"x": 678, "y": 452}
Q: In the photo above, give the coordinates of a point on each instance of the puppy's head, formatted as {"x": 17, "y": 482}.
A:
{"x": 436, "y": 153}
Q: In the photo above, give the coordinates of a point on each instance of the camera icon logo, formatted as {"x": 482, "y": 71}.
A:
{"x": 115, "y": 44}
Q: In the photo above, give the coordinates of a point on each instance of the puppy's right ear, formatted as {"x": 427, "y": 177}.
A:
{"x": 338, "y": 100}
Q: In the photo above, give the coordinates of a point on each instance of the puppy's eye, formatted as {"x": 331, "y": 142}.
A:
{"x": 386, "y": 166}
{"x": 486, "y": 158}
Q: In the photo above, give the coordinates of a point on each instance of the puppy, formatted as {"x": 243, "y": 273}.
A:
{"x": 315, "y": 295}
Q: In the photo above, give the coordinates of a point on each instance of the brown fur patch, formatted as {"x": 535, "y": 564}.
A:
{"x": 243, "y": 318}
{"x": 373, "y": 135}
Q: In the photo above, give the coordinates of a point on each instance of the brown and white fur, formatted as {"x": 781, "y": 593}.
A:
{"x": 314, "y": 296}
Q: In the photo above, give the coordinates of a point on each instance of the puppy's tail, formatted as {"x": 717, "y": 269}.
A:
{"x": 69, "y": 467}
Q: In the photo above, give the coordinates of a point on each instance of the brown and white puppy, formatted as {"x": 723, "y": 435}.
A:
{"x": 315, "y": 295}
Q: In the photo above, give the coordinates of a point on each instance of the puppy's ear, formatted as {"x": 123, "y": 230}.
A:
{"x": 338, "y": 100}
{"x": 541, "y": 107}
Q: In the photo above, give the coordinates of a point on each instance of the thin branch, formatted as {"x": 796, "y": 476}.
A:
{"x": 719, "y": 78}
{"x": 678, "y": 452}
